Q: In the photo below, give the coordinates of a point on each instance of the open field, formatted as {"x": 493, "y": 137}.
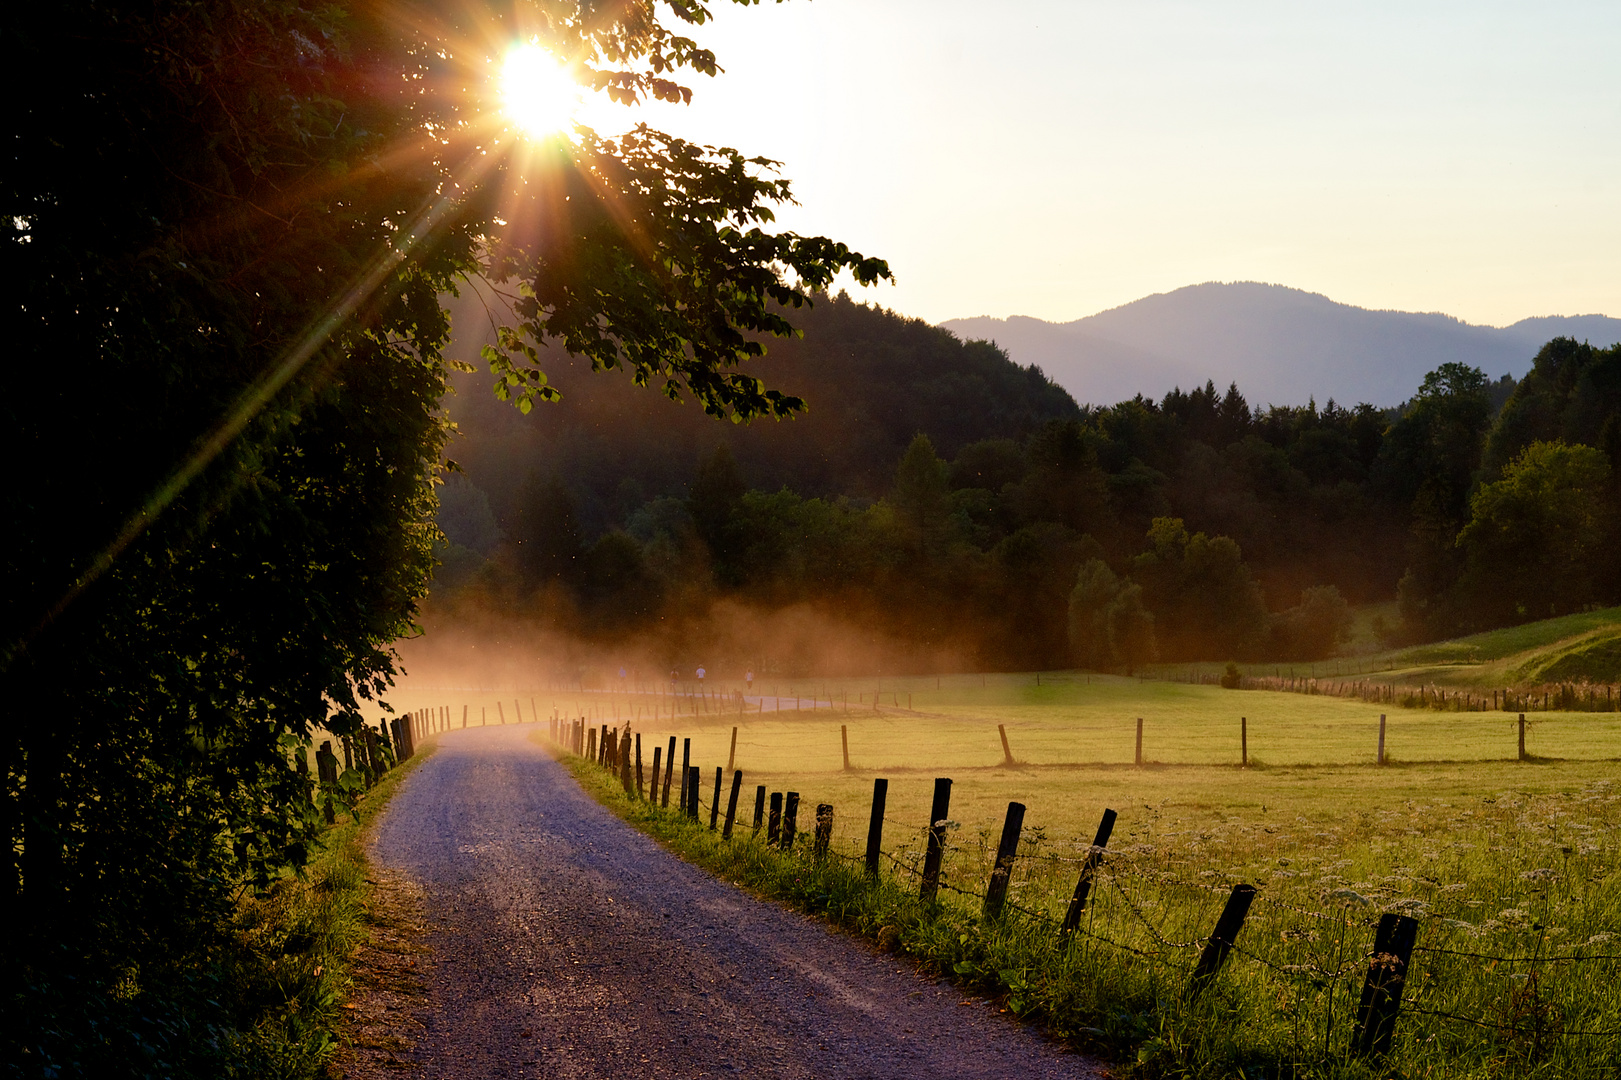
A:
{"x": 1584, "y": 648}
{"x": 1073, "y": 737}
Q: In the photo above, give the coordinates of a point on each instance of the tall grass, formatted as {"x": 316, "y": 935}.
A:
{"x": 293, "y": 949}
{"x": 1518, "y": 972}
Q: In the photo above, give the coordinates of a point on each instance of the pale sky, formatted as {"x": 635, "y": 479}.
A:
{"x": 1056, "y": 159}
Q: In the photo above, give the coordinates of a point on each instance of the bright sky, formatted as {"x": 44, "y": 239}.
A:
{"x": 1059, "y": 158}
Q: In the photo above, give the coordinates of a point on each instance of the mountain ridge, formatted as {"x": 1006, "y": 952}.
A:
{"x": 1280, "y": 344}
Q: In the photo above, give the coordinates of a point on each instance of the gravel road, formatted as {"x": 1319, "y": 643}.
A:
{"x": 562, "y": 943}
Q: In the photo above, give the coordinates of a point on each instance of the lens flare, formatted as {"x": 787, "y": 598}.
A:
{"x": 537, "y": 94}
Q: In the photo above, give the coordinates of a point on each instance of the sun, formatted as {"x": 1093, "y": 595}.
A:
{"x": 537, "y": 95}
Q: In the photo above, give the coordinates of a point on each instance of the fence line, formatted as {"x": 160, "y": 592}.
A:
{"x": 611, "y": 746}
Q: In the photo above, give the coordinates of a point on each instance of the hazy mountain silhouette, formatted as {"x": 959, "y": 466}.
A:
{"x": 1280, "y": 345}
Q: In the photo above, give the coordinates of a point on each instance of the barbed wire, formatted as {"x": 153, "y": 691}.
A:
{"x": 1152, "y": 929}
{"x": 1514, "y": 959}
{"x": 1408, "y": 1006}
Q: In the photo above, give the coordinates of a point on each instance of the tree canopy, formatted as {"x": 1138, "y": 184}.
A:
{"x": 229, "y": 230}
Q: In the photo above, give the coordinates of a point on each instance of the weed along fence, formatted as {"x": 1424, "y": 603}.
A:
{"x": 1116, "y": 941}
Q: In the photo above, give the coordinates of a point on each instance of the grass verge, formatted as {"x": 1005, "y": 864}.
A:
{"x": 294, "y": 946}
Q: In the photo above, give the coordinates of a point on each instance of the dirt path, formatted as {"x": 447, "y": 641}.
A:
{"x": 562, "y": 943}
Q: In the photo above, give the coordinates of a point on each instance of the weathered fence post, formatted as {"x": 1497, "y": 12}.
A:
{"x": 686, "y": 770}
{"x": 731, "y": 804}
{"x": 759, "y": 808}
{"x": 1006, "y": 851}
{"x": 875, "y": 827}
{"x": 1244, "y": 742}
{"x": 844, "y": 737}
{"x": 1522, "y": 736}
{"x": 694, "y": 782}
{"x": 1381, "y": 993}
{"x": 773, "y": 829}
{"x": 591, "y": 744}
{"x": 1381, "y": 738}
{"x": 669, "y": 771}
{"x": 1220, "y": 942}
{"x": 714, "y": 810}
{"x": 790, "y": 820}
{"x": 464, "y": 716}
{"x": 500, "y": 711}
{"x": 1007, "y": 753}
{"x": 731, "y": 755}
{"x": 1083, "y": 887}
{"x": 1139, "y": 740}
{"x": 653, "y": 788}
{"x": 939, "y": 811}
{"x": 638, "y": 765}
{"x": 824, "y": 832}
{"x": 624, "y": 764}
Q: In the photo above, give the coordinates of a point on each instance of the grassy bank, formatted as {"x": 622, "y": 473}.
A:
{"x": 294, "y": 944}
{"x": 1511, "y": 869}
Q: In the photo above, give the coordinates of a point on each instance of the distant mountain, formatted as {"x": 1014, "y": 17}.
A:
{"x": 1280, "y": 345}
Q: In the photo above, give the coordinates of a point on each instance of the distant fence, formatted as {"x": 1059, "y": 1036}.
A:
{"x": 1543, "y": 697}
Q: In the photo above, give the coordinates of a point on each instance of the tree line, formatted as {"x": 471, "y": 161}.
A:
{"x": 1196, "y": 527}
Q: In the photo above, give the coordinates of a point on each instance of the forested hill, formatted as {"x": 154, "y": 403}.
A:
{"x": 873, "y": 381}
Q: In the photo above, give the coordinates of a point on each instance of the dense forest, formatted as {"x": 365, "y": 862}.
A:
{"x": 939, "y": 494}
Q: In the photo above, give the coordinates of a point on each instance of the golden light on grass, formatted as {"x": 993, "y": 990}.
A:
{"x": 537, "y": 95}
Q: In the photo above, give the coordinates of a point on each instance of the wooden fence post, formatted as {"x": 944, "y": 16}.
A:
{"x": 591, "y": 745}
{"x": 1381, "y": 738}
{"x": 517, "y": 711}
{"x": 1007, "y": 754}
{"x": 1083, "y": 887}
{"x": 464, "y": 716}
{"x": 790, "y": 820}
{"x": 686, "y": 769}
{"x": 824, "y": 832}
{"x": 731, "y": 755}
{"x": 1220, "y": 942}
{"x": 639, "y": 765}
{"x": 1381, "y": 992}
{"x": 500, "y": 711}
{"x": 693, "y": 783}
{"x": 759, "y": 808}
{"x": 1244, "y": 742}
{"x": 731, "y": 804}
{"x": 844, "y": 738}
{"x": 653, "y": 788}
{"x": 939, "y": 811}
{"x": 1139, "y": 740}
{"x": 875, "y": 828}
{"x": 714, "y": 810}
{"x": 625, "y": 774}
{"x": 1006, "y": 851}
{"x": 669, "y": 771}
{"x": 773, "y": 828}
{"x": 1522, "y": 736}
